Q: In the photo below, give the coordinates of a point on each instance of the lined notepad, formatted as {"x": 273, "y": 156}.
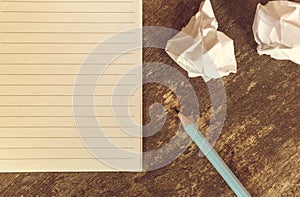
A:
{"x": 43, "y": 44}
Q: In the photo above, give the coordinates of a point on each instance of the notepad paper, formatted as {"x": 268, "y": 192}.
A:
{"x": 43, "y": 44}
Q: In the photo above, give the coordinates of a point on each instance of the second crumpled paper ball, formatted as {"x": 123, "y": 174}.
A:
{"x": 201, "y": 49}
{"x": 276, "y": 29}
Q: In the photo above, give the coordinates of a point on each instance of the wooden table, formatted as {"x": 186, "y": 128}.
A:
{"x": 259, "y": 140}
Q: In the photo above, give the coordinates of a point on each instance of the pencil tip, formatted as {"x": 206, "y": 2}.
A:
{"x": 184, "y": 120}
{"x": 176, "y": 110}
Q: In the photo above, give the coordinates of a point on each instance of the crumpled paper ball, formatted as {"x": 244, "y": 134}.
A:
{"x": 276, "y": 29}
{"x": 201, "y": 49}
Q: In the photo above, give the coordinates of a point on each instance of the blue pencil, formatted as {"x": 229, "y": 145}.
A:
{"x": 213, "y": 157}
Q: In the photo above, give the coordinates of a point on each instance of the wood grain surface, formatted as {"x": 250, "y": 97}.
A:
{"x": 259, "y": 140}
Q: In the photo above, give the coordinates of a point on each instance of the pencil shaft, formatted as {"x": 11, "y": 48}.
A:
{"x": 216, "y": 161}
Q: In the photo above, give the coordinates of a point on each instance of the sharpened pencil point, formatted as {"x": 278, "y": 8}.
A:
{"x": 176, "y": 110}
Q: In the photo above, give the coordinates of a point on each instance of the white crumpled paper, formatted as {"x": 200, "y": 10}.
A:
{"x": 276, "y": 29}
{"x": 202, "y": 50}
